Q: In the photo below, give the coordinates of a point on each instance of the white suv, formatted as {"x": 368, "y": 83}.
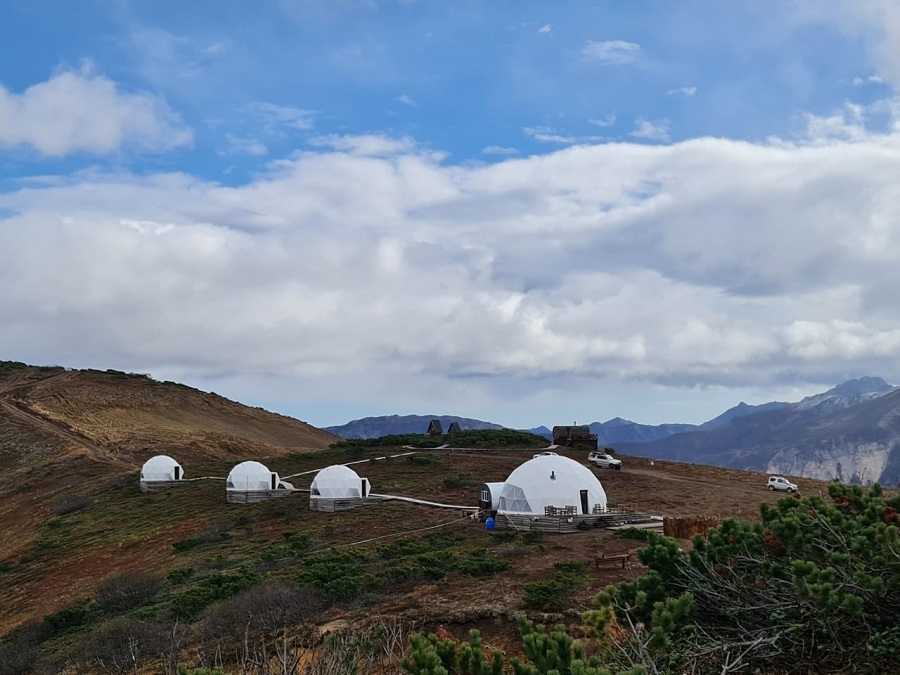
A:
{"x": 779, "y": 483}
{"x": 604, "y": 461}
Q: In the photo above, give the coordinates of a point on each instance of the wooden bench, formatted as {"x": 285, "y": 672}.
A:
{"x": 617, "y": 558}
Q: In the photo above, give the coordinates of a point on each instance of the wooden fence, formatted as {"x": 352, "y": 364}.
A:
{"x": 685, "y": 527}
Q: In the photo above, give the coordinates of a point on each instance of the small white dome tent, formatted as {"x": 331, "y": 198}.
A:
{"x": 551, "y": 480}
{"x": 339, "y": 481}
{"x": 489, "y": 498}
{"x": 253, "y": 482}
{"x": 159, "y": 473}
{"x": 339, "y": 488}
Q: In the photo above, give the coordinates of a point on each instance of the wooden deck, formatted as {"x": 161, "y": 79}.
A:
{"x": 255, "y": 496}
{"x": 331, "y": 505}
{"x": 562, "y": 519}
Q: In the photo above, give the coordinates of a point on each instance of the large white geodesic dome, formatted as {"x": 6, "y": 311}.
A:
{"x": 250, "y": 476}
{"x": 337, "y": 482}
{"x": 551, "y": 480}
{"x": 161, "y": 468}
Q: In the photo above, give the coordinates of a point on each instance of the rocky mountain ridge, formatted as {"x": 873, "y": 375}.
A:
{"x": 849, "y": 433}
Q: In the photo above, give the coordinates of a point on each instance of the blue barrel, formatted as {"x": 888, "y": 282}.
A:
{"x": 489, "y": 524}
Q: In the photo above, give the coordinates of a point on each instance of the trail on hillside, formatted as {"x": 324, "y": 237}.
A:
{"x": 48, "y": 426}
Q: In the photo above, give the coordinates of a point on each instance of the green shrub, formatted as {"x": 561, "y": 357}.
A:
{"x": 638, "y": 533}
{"x": 402, "y": 547}
{"x": 191, "y": 602}
{"x": 456, "y": 482}
{"x": 505, "y": 536}
{"x": 19, "y": 648}
{"x": 392, "y": 440}
{"x": 180, "y": 574}
{"x": 339, "y": 573}
{"x": 422, "y": 460}
{"x": 571, "y": 567}
{"x": 198, "y": 540}
{"x": 533, "y": 537}
{"x": 546, "y": 596}
{"x": 480, "y": 563}
{"x": 435, "y": 564}
{"x": 126, "y": 591}
{"x": 74, "y": 616}
{"x": 71, "y": 504}
{"x": 556, "y": 594}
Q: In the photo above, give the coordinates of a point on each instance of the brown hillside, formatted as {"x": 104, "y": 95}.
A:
{"x": 65, "y": 432}
{"x": 115, "y": 417}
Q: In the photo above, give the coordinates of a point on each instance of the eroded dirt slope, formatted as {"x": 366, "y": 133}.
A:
{"x": 124, "y": 419}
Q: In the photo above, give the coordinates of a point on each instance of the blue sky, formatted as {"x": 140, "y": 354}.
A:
{"x": 516, "y": 211}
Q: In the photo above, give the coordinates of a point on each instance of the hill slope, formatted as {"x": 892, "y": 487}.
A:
{"x": 46, "y": 413}
{"x": 65, "y": 433}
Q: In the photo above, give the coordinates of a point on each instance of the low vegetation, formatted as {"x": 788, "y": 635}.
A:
{"x": 475, "y": 438}
{"x": 812, "y": 586}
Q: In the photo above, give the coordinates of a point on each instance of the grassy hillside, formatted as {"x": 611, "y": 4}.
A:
{"x": 87, "y": 557}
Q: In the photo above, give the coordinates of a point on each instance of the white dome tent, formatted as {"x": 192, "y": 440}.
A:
{"x": 339, "y": 481}
{"x": 159, "y": 473}
{"x": 338, "y": 488}
{"x": 551, "y": 481}
{"x": 253, "y": 482}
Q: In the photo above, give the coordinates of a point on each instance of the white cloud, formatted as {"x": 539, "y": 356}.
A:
{"x": 871, "y": 79}
{"x": 612, "y": 51}
{"x": 372, "y": 144}
{"x": 245, "y": 146}
{"x": 876, "y": 22}
{"x": 499, "y": 150}
{"x": 278, "y": 118}
{"x": 683, "y": 91}
{"x": 406, "y": 100}
{"x": 700, "y": 263}
{"x": 551, "y": 135}
{"x": 174, "y": 62}
{"x": 78, "y": 111}
{"x": 652, "y": 131}
{"x": 607, "y": 121}
{"x": 546, "y": 28}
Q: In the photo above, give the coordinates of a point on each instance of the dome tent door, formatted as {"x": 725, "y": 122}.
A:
{"x": 584, "y": 502}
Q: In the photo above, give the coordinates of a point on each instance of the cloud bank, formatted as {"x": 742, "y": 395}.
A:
{"x": 76, "y": 111}
{"x": 707, "y": 261}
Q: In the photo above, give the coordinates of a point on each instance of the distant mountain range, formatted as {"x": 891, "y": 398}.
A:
{"x": 388, "y": 425}
{"x": 850, "y": 433}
